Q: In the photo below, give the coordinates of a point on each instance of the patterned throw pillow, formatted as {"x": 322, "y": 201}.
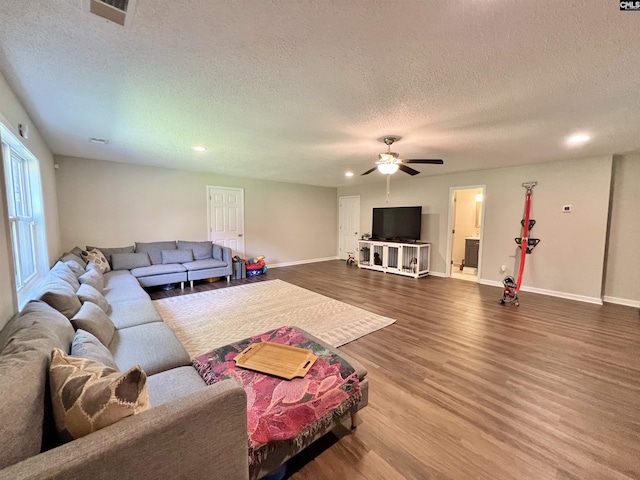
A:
{"x": 97, "y": 257}
{"x": 88, "y": 396}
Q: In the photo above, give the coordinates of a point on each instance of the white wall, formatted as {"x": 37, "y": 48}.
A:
{"x": 12, "y": 113}
{"x": 114, "y": 204}
{"x": 622, "y": 283}
{"x": 570, "y": 257}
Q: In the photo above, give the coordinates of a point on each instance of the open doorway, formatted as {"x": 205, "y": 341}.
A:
{"x": 464, "y": 247}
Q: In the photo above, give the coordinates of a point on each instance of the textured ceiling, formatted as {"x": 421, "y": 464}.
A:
{"x": 300, "y": 91}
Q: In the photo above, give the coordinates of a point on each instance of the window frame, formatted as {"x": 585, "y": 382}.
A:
{"x": 25, "y": 209}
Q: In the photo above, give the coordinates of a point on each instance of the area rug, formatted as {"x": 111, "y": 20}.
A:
{"x": 206, "y": 320}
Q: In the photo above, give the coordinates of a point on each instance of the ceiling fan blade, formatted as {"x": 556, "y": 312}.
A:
{"x": 369, "y": 171}
{"x": 432, "y": 161}
{"x": 408, "y": 170}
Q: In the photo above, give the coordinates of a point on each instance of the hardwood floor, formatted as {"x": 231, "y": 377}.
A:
{"x": 462, "y": 387}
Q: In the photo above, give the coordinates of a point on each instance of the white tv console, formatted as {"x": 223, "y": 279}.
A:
{"x": 410, "y": 259}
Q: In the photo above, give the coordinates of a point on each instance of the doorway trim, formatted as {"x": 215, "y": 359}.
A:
{"x": 240, "y": 192}
{"x": 450, "y": 226}
{"x": 340, "y": 221}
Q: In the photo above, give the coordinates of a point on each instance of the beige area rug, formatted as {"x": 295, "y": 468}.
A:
{"x": 207, "y": 320}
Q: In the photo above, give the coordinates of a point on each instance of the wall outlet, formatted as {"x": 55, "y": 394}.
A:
{"x": 566, "y": 209}
{"x": 503, "y": 268}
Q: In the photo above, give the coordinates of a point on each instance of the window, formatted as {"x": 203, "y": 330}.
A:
{"x": 24, "y": 202}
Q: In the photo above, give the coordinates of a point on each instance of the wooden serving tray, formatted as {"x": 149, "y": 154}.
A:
{"x": 276, "y": 359}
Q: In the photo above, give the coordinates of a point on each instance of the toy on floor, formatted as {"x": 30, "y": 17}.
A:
{"x": 256, "y": 266}
{"x": 351, "y": 260}
{"x": 509, "y": 294}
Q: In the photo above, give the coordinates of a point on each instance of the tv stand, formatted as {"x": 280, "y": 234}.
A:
{"x": 410, "y": 259}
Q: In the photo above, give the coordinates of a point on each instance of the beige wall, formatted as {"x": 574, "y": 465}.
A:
{"x": 12, "y": 114}
{"x": 622, "y": 280}
{"x": 569, "y": 259}
{"x": 114, "y": 204}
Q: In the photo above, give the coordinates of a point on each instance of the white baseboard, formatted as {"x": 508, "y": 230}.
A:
{"x": 551, "y": 293}
{"x": 302, "y": 262}
{"x": 437, "y": 274}
{"x": 622, "y": 301}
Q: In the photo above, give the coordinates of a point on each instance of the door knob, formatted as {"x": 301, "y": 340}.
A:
{"x": 239, "y": 234}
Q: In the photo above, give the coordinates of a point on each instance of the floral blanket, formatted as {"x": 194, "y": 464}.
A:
{"x": 285, "y": 410}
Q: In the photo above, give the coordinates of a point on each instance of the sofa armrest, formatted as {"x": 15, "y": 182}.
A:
{"x": 226, "y": 256}
{"x": 202, "y": 435}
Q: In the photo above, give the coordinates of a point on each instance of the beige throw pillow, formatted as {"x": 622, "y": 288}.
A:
{"x": 95, "y": 278}
{"x": 88, "y": 396}
{"x": 86, "y": 293}
{"x": 92, "y": 319}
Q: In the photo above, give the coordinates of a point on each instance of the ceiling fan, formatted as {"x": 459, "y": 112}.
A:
{"x": 389, "y": 163}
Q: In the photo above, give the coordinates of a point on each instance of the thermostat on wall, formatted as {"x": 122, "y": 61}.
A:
{"x": 566, "y": 209}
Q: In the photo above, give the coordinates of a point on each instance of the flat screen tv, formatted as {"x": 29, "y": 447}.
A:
{"x": 397, "y": 223}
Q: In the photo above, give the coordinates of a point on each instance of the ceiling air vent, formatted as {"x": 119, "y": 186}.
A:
{"x": 112, "y": 10}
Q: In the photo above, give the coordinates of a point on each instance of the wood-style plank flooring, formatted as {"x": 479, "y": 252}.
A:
{"x": 464, "y": 388}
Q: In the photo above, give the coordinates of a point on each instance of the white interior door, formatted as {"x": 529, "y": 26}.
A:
{"x": 226, "y": 217}
{"x": 349, "y": 226}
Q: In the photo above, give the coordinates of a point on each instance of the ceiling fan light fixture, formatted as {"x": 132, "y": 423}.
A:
{"x": 388, "y": 168}
{"x": 388, "y": 157}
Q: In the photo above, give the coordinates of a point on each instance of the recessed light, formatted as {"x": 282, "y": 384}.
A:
{"x": 348, "y": 174}
{"x": 200, "y": 148}
{"x": 578, "y": 139}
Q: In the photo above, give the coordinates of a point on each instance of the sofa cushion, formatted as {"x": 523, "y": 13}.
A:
{"x": 202, "y": 264}
{"x": 128, "y": 261}
{"x": 86, "y": 293}
{"x": 76, "y": 267}
{"x": 94, "y": 277}
{"x": 153, "y": 346}
{"x": 167, "y": 386}
{"x": 98, "y": 258}
{"x": 154, "y": 249}
{"x": 49, "y": 324}
{"x": 177, "y": 256}
{"x": 216, "y": 252}
{"x": 91, "y": 318}
{"x": 87, "y": 345}
{"x": 157, "y": 270}
{"x": 201, "y": 250}
{"x": 119, "y": 279}
{"x": 60, "y": 295}
{"x": 22, "y": 389}
{"x": 88, "y": 395}
{"x": 131, "y": 313}
{"x": 67, "y": 256}
{"x": 124, "y": 294}
{"x": 26, "y": 342}
{"x": 62, "y": 271}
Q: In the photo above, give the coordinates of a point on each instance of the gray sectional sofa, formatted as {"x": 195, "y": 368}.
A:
{"x": 191, "y": 431}
{"x": 161, "y": 263}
